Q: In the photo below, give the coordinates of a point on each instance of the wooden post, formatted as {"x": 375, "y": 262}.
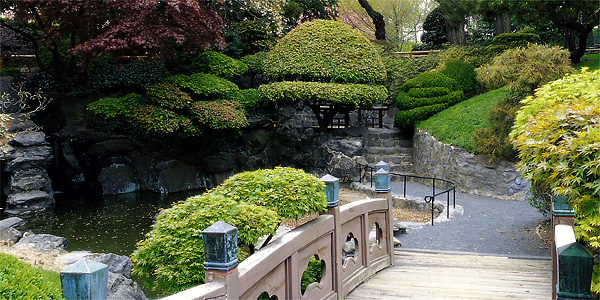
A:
{"x": 332, "y": 190}
{"x": 85, "y": 280}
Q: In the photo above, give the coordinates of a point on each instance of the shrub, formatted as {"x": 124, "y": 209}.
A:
{"x": 10, "y": 71}
{"x": 172, "y": 254}
{"x": 215, "y": 63}
{"x": 325, "y": 50}
{"x": 18, "y": 280}
{"x": 255, "y": 62}
{"x": 556, "y": 134}
{"x": 136, "y": 75}
{"x": 256, "y": 36}
{"x": 463, "y": 73}
{"x": 507, "y": 40}
{"x": 169, "y": 95}
{"x": 292, "y": 193}
{"x": 222, "y": 114}
{"x": 251, "y": 98}
{"x": 400, "y": 70}
{"x": 205, "y": 86}
{"x": 473, "y": 55}
{"x": 423, "y": 96}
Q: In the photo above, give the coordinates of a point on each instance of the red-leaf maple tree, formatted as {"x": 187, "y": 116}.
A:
{"x": 121, "y": 27}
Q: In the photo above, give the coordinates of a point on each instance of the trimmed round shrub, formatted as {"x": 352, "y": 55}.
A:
{"x": 463, "y": 73}
{"x": 407, "y": 102}
{"x": 221, "y": 114}
{"x": 521, "y": 38}
{"x": 408, "y": 118}
{"x": 206, "y": 85}
{"x": 429, "y": 80}
{"x": 473, "y": 55}
{"x": 169, "y": 95}
{"x": 172, "y": 254}
{"x": 329, "y": 51}
{"x": 255, "y": 62}
{"x": 215, "y": 63}
{"x": 19, "y": 280}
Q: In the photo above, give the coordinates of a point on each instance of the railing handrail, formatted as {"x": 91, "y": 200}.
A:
{"x": 427, "y": 198}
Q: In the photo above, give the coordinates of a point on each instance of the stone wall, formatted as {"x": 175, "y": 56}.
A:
{"x": 472, "y": 173}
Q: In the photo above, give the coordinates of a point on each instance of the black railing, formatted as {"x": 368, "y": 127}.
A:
{"x": 449, "y": 186}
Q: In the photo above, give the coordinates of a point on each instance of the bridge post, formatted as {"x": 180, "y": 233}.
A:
{"x": 383, "y": 189}
{"x": 85, "y": 280}
{"x": 562, "y": 214}
{"x": 220, "y": 248}
{"x": 332, "y": 190}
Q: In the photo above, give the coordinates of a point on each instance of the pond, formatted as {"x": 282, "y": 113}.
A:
{"x": 103, "y": 223}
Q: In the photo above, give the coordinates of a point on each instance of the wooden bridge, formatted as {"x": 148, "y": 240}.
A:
{"x": 421, "y": 275}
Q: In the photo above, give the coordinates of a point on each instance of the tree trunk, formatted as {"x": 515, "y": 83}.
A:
{"x": 377, "y": 20}
{"x": 456, "y": 32}
{"x": 502, "y": 24}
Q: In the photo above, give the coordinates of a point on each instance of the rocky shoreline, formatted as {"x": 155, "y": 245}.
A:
{"x": 46, "y": 251}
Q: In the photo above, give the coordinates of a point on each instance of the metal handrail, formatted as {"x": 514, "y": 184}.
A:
{"x": 428, "y": 198}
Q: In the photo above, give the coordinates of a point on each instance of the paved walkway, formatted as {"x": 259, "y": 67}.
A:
{"x": 479, "y": 225}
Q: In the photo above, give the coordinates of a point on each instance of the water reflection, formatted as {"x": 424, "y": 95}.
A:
{"x": 106, "y": 224}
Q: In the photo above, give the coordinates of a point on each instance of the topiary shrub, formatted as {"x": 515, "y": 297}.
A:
{"x": 326, "y": 50}
{"x": 255, "y": 62}
{"x": 215, "y": 63}
{"x": 322, "y": 57}
{"x": 256, "y": 36}
{"x": 172, "y": 255}
{"x": 463, "y": 73}
{"x": 19, "y": 280}
{"x": 400, "y": 71}
{"x": 507, "y": 40}
{"x": 521, "y": 70}
{"x": 473, "y": 55}
{"x": 556, "y": 134}
{"x": 425, "y": 95}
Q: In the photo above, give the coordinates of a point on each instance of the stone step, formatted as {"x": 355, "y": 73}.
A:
{"x": 390, "y": 159}
{"x": 388, "y": 151}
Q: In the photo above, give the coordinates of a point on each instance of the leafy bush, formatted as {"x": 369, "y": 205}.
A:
{"x": 400, "y": 70}
{"x": 251, "y": 98}
{"x": 255, "y": 62}
{"x": 325, "y": 50}
{"x": 521, "y": 38}
{"x": 292, "y": 193}
{"x": 423, "y": 96}
{"x": 222, "y": 114}
{"x": 463, "y": 73}
{"x": 168, "y": 95}
{"x": 172, "y": 254}
{"x": 343, "y": 94}
{"x": 205, "y": 85}
{"x": 256, "y": 36}
{"x": 556, "y": 134}
{"x": 18, "y": 281}
{"x": 136, "y": 75}
{"x": 473, "y": 55}
{"x": 10, "y": 71}
{"x": 215, "y": 63}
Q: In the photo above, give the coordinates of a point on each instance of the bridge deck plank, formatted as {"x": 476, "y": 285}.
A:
{"x": 449, "y": 276}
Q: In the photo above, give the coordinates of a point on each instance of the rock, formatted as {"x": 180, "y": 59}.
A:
{"x": 119, "y": 264}
{"x": 118, "y": 178}
{"x": 518, "y": 185}
{"x": 45, "y": 242}
{"x": 30, "y": 180}
{"x": 399, "y": 228}
{"x": 349, "y": 146}
{"x": 120, "y": 287}
{"x": 397, "y": 242}
{"x": 74, "y": 257}
{"x": 281, "y": 230}
{"x": 349, "y": 246}
{"x": 19, "y": 124}
{"x": 29, "y": 157}
{"x": 342, "y": 167}
{"x": 13, "y": 222}
{"x": 30, "y": 138}
{"x": 26, "y": 198}
{"x": 177, "y": 176}
{"x": 112, "y": 147}
{"x": 10, "y": 235}
{"x": 218, "y": 163}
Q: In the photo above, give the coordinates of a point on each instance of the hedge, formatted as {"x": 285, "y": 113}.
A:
{"x": 407, "y": 118}
{"x": 327, "y": 50}
{"x": 406, "y": 102}
{"x": 428, "y": 80}
{"x": 218, "y": 64}
{"x": 19, "y": 280}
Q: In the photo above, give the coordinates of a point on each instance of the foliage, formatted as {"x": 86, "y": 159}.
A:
{"x": 494, "y": 140}
{"x": 291, "y": 193}
{"x": 317, "y": 9}
{"x": 255, "y": 62}
{"x": 508, "y": 40}
{"x": 557, "y": 134}
{"x": 251, "y": 98}
{"x": 135, "y": 75}
{"x": 476, "y": 56}
{"x": 121, "y": 27}
{"x": 256, "y": 36}
{"x": 425, "y": 95}
{"x": 326, "y": 51}
{"x": 342, "y": 94}
{"x": 463, "y": 73}
{"x": 172, "y": 254}
{"x": 313, "y": 273}
{"x": 456, "y": 125}
{"x": 215, "y": 63}
{"x": 434, "y": 27}
{"x": 182, "y": 105}
{"x": 539, "y": 198}
{"x": 590, "y": 61}
{"x": 14, "y": 72}
{"x": 401, "y": 70}
{"x": 18, "y": 280}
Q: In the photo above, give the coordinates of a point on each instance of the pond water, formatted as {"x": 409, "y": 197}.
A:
{"x": 102, "y": 223}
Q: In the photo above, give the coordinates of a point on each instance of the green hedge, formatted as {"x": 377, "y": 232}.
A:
{"x": 343, "y": 94}
{"x": 463, "y": 73}
{"x": 327, "y": 50}
{"x": 206, "y": 85}
{"x": 406, "y": 102}
{"x": 521, "y": 38}
{"x": 255, "y": 62}
{"x": 215, "y": 63}
{"x": 429, "y": 80}
{"x": 220, "y": 114}
{"x": 428, "y": 92}
{"x": 19, "y": 280}
{"x": 408, "y": 118}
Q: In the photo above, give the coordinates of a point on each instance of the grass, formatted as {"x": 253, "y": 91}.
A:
{"x": 19, "y": 280}
{"x": 456, "y": 125}
{"x": 593, "y": 64}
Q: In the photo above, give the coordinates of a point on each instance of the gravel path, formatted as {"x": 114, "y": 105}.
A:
{"x": 480, "y": 225}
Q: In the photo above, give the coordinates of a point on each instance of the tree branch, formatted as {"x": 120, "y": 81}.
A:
{"x": 377, "y": 20}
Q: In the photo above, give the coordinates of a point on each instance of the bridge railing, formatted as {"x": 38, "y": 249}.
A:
{"x": 276, "y": 270}
{"x": 449, "y": 187}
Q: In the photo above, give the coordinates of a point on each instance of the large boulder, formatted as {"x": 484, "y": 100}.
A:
{"x": 12, "y": 222}
{"x": 348, "y": 146}
{"x": 176, "y": 176}
{"x": 30, "y": 138}
{"x": 45, "y": 242}
{"x": 121, "y": 287}
{"x": 119, "y": 264}
{"x": 118, "y": 178}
